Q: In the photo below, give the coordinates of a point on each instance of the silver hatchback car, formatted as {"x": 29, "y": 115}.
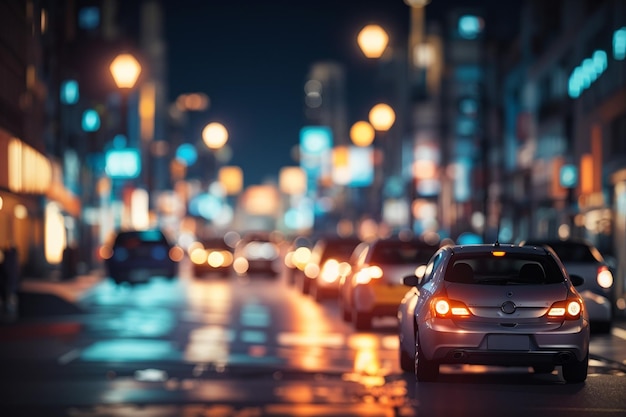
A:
{"x": 500, "y": 305}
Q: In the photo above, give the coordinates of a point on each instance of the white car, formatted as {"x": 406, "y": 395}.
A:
{"x": 499, "y": 305}
{"x": 582, "y": 258}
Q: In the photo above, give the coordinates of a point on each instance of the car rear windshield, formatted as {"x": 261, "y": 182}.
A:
{"x": 339, "y": 249}
{"x": 129, "y": 239}
{"x": 401, "y": 253}
{"x": 503, "y": 270}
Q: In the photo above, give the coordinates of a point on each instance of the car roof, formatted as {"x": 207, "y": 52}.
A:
{"x": 488, "y": 248}
{"x": 557, "y": 242}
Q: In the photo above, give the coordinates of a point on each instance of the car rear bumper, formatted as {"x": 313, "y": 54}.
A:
{"x": 140, "y": 273}
{"x": 446, "y": 343}
{"x": 378, "y": 300}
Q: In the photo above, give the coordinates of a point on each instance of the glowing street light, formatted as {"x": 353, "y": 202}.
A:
{"x": 231, "y": 179}
{"x": 382, "y": 117}
{"x": 214, "y": 135}
{"x": 416, "y": 3}
{"x": 125, "y": 70}
{"x": 292, "y": 181}
{"x": 362, "y": 133}
{"x": 373, "y": 40}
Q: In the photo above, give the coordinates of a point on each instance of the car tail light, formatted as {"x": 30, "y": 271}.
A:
{"x": 369, "y": 273}
{"x": 105, "y": 252}
{"x": 604, "y": 277}
{"x": 176, "y": 253}
{"x": 219, "y": 258}
{"x": 442, "y": 307}
{"x": 330, "y": 270}
{"x": 569, "y": 309}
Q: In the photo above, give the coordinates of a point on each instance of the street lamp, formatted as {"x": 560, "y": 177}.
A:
{"x": 362, "y": 133}
{"x": 214, "y": 136}
{"x": 125, "y": 70}
{"x": 382, "y": 117}
{"x": 373, "y": 40}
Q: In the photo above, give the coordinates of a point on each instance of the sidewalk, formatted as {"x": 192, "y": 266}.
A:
{"x": 49, "y": 307}
{"x": 70, "y": 290}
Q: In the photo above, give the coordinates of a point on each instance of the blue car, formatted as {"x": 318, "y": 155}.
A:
{"x": 137, "y": 256}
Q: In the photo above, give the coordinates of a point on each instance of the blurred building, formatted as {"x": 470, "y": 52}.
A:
{"x": 325, "y": 108}
{"x": 33, "y": 197}
{"x": 564, "y": 138}
{"x": 61, "y": 112}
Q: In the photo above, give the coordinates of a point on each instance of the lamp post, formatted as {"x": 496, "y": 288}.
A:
{"x": 215, "y": 136}
{"x": 125, "y": 70}
{"x": 362, "y": 133}
{"x": 373, "y": 40}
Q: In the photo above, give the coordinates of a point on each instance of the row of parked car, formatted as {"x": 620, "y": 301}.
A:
{"x": 528, "y": 304}
{"x": 135, "y": 256}
{"x": 366, "y": 277}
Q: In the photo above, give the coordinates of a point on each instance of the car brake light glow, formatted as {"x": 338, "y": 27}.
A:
{"x": 569, "y": 309}
{"x": 176, "y": 254}
{"x": 604, "y": 277}
{"x": 330, "y": 271}
{"x": 369, "y": 273}
{"x": 444, "y": 308}
{"x": 375, "y": 271}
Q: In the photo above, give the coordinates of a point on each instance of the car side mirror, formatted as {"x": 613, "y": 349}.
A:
{"x": 577, "y": 280}
{"x": 611, "y": 262}
{"x": 411, "y": 281}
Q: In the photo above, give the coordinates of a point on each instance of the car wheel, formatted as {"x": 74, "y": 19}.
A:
{"x": 345, "y": 312}
{"x": 316, "y": 293}
{"x": 576, "y": 371}
{"x": 407, "y": 361}
{"x": 425, "y": 370}
{"x": 361, "y": 321}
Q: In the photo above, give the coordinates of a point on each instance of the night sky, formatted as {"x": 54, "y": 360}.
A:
{"x": 252, "y": 58}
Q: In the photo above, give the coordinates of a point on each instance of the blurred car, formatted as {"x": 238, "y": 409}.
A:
{"x": 500, "y": 305}
{"x": 328, "y": 262}
{"x": 296, "y": 257}
{"x": 582, "y": 258}
{"x": 257, "y": 252}
{"x": 136, "y": 256}
{"x": 374, "y": 286}
{"x": 211, "y": 256}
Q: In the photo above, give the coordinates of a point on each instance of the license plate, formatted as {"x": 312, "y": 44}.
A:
{"x": 508, "y": 342}
{"x": 140, "y": 275}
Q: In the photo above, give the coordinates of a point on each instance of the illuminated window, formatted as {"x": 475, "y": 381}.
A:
{"x": 586, "y": 73}
{"x": 619, "y": 44}
{"x": 69, "y": 92}
{"x": 470, "y": 26}
{"x": 187, "y": 154}
{"x": 123, "y": 163}
{"x": 90, "y": 121}
{"x": 89, "y": 18}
